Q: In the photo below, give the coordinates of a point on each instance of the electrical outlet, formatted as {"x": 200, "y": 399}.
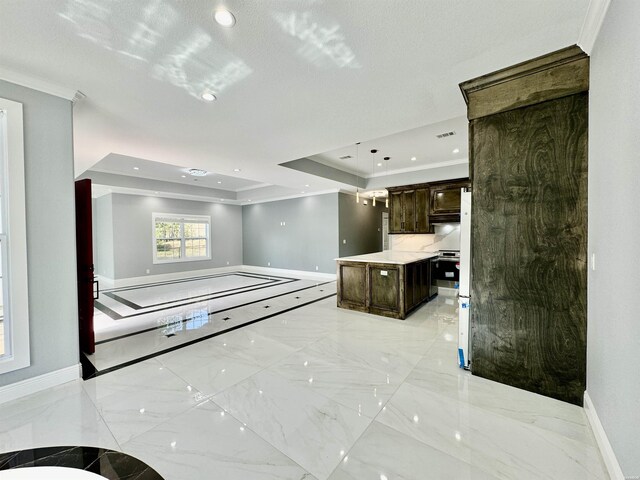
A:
{"x": 316, "y": 268}
{"x": 227, "y": 263}
{"x": 344, "y": 241}
{"x": 268, "y": 264}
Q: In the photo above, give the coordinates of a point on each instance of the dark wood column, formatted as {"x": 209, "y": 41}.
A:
{"x": 528, "y": 154}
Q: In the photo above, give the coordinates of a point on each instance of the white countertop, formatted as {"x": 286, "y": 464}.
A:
{"x": 390, "y": 256}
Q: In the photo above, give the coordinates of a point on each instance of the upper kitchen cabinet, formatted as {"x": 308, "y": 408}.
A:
{"x": 415, "y": 208}
{"x": 404, "y": 210}
{"x": 444, "y": 203}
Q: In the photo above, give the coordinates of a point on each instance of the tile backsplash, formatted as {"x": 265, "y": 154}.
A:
{"x": 447, "y": 237}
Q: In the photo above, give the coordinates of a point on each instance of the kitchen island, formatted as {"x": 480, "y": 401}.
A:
{"x": 388, "y": 283}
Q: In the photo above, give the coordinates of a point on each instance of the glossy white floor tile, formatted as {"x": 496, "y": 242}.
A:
{"x": 130, "y": 410}
{"x": 315, "y": 393}
{"x": 205, "y": 442}
{"x": 383, "y": 453}
{"x": 63, "y": 415}
{"x": 496, "y": 444}
{"x": 311, "y": 429}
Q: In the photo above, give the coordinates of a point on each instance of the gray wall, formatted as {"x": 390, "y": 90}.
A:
{"x": 308, "y": 238}
{"x": 103, "y": 236}
{"x": 360, "y": 225}
{"x": 133, "y": 234}
{"x": 613, "y": 338}
{"x": 51, "y": 243}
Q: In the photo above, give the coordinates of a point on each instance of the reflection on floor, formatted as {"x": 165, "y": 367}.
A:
{"x": 139, "y": 322}
{"x": 315, "y": 393}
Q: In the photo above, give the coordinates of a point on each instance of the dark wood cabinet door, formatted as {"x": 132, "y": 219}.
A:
{"x": 529, "y": 249}
{"x": 395, "y": 212}
{"x": 384, "y": 287}
{"x": 445, "y": 199}
{"x": 422, "y": 210}
{"x": 409, "y": 209}
{"x": 353, "y": 284}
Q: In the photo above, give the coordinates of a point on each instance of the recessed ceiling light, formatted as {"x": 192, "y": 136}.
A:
{"x": 236, "y": 170}
{"x": 197, "y": 172}
{"x": 136, "y": 168}
{"x": 156, "y": 193}
{"x": 413, "y": 159}
{"x": 379, "y": 164}
{"x": 224, "y": 17}
{"x": 248, "y": 199}
{"x": 307, "y": 185}
{"x": 302, "y": 191}
{"x": 222, "y": 199}
{"x": 208, "y": 96}
{"x": 184, "y": 176}
{"x": 456, "y": 150}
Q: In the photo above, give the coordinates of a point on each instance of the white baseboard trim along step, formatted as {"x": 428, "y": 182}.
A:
{"x": 608, "y": 455}
{"x": 39, "y": 383}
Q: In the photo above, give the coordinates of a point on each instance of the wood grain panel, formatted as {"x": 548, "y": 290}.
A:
{"x": 422, "y": 210}
{"x": 529, "y": 257}
{"x": 385, "y": 292}
{"x": 352, "y": 285}
{"x": 395, "y": 212}
{"x": 409, "y": 208}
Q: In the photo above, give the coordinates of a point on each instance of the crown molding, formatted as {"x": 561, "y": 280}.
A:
{"x": 592, "y": 24}
{"x": 40, "y": 85}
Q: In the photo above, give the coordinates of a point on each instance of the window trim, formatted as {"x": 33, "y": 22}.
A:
{"x": 17, "y": 309}
{"x": 182, "y": 219}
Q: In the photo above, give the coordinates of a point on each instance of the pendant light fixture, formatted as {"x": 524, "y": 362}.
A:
{"x": 357, "y": 166}
{"x": 386, "y": 173}
{"x": 373, "y": 162}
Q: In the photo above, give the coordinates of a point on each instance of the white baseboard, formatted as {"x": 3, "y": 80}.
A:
{"x": 608, "y": 455}
{"x": 106, "y": 282}
{"x": 39, "y": 383}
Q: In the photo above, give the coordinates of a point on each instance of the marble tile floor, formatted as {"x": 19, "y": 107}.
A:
{"x": 315, "y": 393}
{"x": 183, "y": 325}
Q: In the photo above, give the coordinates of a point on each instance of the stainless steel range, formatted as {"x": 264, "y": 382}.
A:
{"x": 445, "y": 270}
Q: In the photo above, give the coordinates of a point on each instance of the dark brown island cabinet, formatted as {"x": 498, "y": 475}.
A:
{"x": 386, "y": 283}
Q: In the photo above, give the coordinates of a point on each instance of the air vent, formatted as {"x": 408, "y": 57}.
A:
{"x": 345, "y": 157}
{"x": 446, "y": 134}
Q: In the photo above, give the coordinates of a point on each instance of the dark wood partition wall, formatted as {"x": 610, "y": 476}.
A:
{"x": 528, "y": 153}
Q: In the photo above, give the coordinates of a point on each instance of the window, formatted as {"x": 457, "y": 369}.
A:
{"x": 14, "y": 303}
{"x": 179, "y": 238}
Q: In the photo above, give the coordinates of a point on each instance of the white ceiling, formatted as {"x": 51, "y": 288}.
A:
{"x": 137, "y": 167}
{"x": 293, "y": 78}
{"x": 421, "y": 144}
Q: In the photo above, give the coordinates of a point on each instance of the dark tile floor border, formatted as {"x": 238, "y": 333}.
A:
{"x": 89, "y": 370}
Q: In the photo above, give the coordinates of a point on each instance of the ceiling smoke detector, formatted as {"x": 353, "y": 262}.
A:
{"x": 197, "y": 172}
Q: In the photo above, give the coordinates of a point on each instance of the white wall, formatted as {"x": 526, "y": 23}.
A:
{"x": 126, "y": 248}
{"x": 613, "y": 338}
{"x": 51, "y": 239}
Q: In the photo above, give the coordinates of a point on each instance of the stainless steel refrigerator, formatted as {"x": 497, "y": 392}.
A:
{"x": 464, "y": 293}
